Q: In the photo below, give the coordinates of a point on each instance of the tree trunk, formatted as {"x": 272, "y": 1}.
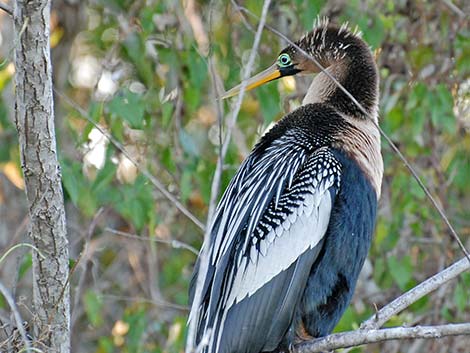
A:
{"x": 35, "y": 125}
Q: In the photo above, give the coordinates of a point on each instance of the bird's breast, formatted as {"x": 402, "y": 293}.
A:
{"x": 360, "y": 140}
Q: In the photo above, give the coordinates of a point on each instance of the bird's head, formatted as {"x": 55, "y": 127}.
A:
{"x": 324, "y": 46}
{"x": 289, "y": 62}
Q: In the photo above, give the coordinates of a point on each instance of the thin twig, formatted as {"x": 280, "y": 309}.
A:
{"x": 81, "y": 281}
{"x": 389, "y": 141}
{"x": 158, "y": 185}
{"x": 360, "y": 337}
{"x": 14, "y": 309}
{"x": 454, "y": 8}
{"x": 159, "y": 303}
{"x": 416, "y": 293}
{"x": 6, "y": 8}
{"x": 176, "y": 244}
{"x": 18, "y": 246}
{"x": 203, "y": 257}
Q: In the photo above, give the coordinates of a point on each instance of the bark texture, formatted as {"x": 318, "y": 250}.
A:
{"x": 35, "y": 125}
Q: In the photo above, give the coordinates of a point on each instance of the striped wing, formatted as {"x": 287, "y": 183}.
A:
{"x": 266, "y": 234}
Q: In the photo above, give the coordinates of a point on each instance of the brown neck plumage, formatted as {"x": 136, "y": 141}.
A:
{"x": 349, "y": 60}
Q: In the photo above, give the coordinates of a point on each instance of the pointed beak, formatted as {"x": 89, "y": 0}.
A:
{"x": 271, "y": 73}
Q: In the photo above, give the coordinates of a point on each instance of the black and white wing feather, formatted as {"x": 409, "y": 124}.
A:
{"x": 266, "y": 235}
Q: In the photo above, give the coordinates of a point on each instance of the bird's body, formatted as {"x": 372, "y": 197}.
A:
{"x": 294, "y": 226}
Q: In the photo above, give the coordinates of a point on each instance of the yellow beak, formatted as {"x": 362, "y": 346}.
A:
{"x": 271, "y": 73}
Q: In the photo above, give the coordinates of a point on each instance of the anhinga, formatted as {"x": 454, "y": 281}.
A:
{"x": 292, "y": 230}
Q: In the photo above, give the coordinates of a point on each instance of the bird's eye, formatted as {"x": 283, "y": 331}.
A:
{"x": 284, "y": 60}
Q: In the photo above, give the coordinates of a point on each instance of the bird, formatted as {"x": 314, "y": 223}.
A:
{"x": 293, "y": 228}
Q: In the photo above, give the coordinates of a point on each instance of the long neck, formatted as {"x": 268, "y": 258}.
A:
{"x": 348, "y": 59}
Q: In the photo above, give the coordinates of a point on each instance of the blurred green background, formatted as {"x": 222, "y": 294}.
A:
{"x": 141, "y": 71}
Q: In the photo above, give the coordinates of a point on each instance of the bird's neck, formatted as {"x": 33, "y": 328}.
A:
{"x": 360, "y": 137}
{"x": 358, "y": 75}
{"x": 322, "y": 86}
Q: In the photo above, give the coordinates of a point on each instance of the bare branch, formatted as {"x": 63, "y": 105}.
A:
{"x": 171, "y": 242}
{"x": 10, "y": 250}
{"x": 454, "y": 8}
{"x": 157, "y": 183}
{"x": 360, "y": 337}
{"x": 416, "y": 293}
{"x": 369, "y": 333}
{"x": 19, "y": 322}
{"x": 204, "y": 259}
{"x": 159, "y": 303}
{"x": 84, "y": 252}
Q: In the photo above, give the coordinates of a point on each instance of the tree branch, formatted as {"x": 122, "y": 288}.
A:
{"x": 369, "y": 333}
{"x": 175, "y": 244}
{"x": 34, "y": 115}
{"x": 416, "y": 293}
{"x": 16, "y": 315}
{"x": 361, "y": 336}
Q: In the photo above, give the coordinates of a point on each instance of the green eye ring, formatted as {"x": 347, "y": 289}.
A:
{"x": 284, "y": 60}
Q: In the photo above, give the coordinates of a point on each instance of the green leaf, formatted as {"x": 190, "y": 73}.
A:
{"x": 134, "y": 46}
{"x": 189, "y": 144}
{"x": 25, "y": 265}
{"x": 105, "y": 176}
{"x": 135, "y": 202}
{"x": 401, "y": 270}
{"x": 3, "y": 303}
{"x": 375, "y": 34}
{"x": 186, "y": 185}
{"x": 461, "y": 297}
{"x": 130, "y": 107}
{"x": 106, "y": 345}
{"x": 93, "y": 306}
{"x": 137, "y": 321}
{"x": 70, "y": 182}
{"x": 269, "y": 102}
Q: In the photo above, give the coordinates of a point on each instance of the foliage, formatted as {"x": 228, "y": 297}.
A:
{"x": 140, "y": 70}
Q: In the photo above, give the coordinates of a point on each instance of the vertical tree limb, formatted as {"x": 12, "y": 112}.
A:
{"x": 36, "y": 133}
